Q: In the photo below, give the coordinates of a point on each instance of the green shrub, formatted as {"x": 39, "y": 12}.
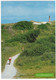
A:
{"x": 52, "y": 38}
{"x": 23, "y": 25}
{"x": 2, "y": 26}
{"x": 31, "y": 35}
{"x": 39, "y": 47}
{"x": 49, "y": 38}
{"x": 47, "y": 24}
{"x": 43, "y": 26}
{"x": 27, "y": 37}
{"x": 42, "y": 40}
{"x": 20, "y": 38}
{"x": 48, "y": 56}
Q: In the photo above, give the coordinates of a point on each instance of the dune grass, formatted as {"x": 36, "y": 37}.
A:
{"x": 29, "y": 66}
{"x": 9, "y": 49}
{"x": 37, "y": 57}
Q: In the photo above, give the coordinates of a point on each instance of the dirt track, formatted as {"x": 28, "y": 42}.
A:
{"x": 10, "y": 70}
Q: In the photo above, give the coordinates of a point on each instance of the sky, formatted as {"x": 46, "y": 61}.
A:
{"x": 15, "y": 11}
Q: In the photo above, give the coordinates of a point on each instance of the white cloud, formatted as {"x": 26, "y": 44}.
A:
{"x": 25, "y": 11}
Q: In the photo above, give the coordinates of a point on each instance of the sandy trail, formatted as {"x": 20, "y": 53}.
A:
{"x": 10, "y": 70}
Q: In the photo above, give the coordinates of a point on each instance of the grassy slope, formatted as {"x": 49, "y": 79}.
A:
{"x": 27, "y": 66}
{"x": 9, "y": 49}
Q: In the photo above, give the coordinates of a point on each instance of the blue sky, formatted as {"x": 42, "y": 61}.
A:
{"x": 14, "y": 11}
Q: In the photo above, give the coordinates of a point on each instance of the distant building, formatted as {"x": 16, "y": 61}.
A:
{"x": 49, "y": 19}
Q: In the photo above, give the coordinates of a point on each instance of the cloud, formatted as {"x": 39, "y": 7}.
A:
{"x": 26, "y": 11}
{"x": 23, "y": 11}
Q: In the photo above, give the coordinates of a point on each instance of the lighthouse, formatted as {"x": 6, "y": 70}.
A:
{"x": 49, "y": 19}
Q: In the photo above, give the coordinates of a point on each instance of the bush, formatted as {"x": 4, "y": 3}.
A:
{"x": 33, "y": 50}
{"x": 39, "y": 47}
{"x": 48, "y": 24}
{"x": 43, "y": 27}
{"x": 2, "y": 26}
{"x": 42, "y": 40}
{"x": 23, "y": 25}
{"x": 27, "y": 37}
{"x": 31, "y": 35}
{"x": 52, "y": 38}
{"x": 48, "y": 56}
{"x": 20, "y": 38}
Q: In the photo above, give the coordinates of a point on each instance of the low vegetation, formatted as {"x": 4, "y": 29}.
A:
{"x": 23, "y": 25}
{"x": 38, "y": 55}
{"x": 29, "y": 36}
{"x": 9, "y": 49}
{"x": 43, "y": 26}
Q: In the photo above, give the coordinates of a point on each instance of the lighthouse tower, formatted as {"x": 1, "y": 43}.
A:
{"x": 49, "y": 19}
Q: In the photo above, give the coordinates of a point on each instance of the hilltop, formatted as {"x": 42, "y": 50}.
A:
{"x": 38, "y": 55}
